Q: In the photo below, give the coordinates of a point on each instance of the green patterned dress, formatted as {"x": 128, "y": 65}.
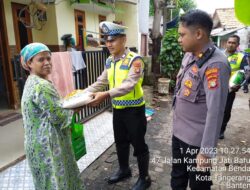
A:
{"x": 47, "y": 138}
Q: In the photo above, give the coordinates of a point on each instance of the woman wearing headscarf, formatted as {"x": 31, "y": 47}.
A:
{"x": 47, "y": 137}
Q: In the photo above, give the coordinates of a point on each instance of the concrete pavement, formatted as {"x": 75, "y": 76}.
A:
{"x": 159, "y": 140}
{"x": 11, "y": 143}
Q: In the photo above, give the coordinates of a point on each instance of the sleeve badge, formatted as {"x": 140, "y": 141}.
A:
{"x": 137, "y": 65}
{"x": 212, "y": 75}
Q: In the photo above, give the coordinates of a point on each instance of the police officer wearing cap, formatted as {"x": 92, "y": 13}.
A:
{"x": 124, "y": 74}
{"x": 201, "y": 91}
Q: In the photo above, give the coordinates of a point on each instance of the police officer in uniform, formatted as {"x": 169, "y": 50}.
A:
{"x": 237, "y": 61}
{"x": 200, "y": 99}
{"x": 124, "y": 74}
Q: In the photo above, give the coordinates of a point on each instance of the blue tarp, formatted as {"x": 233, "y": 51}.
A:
{"x": 173, "y": 23}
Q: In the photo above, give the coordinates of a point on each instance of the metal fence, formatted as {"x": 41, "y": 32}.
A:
{"x": 95, "y": 62}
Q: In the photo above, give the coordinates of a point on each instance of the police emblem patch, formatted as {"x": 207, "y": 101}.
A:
{"x": 195, "y": 69}
{"x": 213, "y": 83}
{"x": 105, "y": 29}
{"x": 186, "y": 92}
{"x": 233, "y": 60}
{"x": 211, "y": 71}
{"x": 188, "y": 83}
{"x": 212, "y": 78}
{"x": 126, "y": 61}
{"x": 137, "y": 66}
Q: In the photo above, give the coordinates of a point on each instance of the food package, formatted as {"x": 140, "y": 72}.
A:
{"x": 77, "y": 98}
{"x": 237, "y": 78}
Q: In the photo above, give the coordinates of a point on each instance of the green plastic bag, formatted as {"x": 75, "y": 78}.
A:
{"x": 78, "y": 140}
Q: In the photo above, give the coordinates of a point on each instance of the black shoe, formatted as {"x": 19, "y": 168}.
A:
{"x": 221, "y": 136}
{"x": 142, "y": 183}
{"x": 245, "y": 90}
{"x": 120, "y": 175}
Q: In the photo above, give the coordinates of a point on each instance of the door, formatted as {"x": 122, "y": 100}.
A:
{"x": 3, "y": 92}
{"x": 23, "y": 35}
{"x": 7, "y": 99}
{"x": 80, "y": 27}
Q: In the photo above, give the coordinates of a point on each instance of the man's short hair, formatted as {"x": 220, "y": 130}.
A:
{"x": 235, "y": 36}
{"x": 197, "y": 18}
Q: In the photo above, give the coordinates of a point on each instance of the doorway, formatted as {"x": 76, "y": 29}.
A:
{"x": 23, "y": 35}
{"x": 3, "y": 91}
{"x": 7, "y": 99}
{"x": 80, "y": 27}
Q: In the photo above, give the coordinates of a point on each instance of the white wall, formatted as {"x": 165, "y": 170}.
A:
{"x": 65, "y": 20}
{"x": 48, "y": 34}
{"x": 244, "y": 35}
{"x": 92, "y": 23}
{"x": 143, "y": 16}
{"x": 9, "y": 22}
{"x": 129, "y": 18}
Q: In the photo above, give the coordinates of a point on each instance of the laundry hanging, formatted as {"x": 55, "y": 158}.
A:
{"x": 61, "y": 75}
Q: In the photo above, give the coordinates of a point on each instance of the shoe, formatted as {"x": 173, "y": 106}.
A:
{"x": 120, "y": 175}
{"x": 142, "y": 183}
{"x": 144, "y": 180}
{"x": 221, "y": 136}
{"x": 245, "y": 90}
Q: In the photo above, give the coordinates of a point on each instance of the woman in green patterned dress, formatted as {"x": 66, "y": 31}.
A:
{"x": 47, "y": 137}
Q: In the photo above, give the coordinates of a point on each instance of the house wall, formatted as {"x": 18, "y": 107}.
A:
{"x": 65, "y": 20}
{"x": 60, "y": 21}
{"x": 129, "y": 18}
{"x": 244, "y": 35}
{"x": 9, "y": 22}
{"x": 48, "y": 34}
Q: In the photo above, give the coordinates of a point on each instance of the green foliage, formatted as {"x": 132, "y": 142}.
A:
{"x": 151, "y": 8}
{"x": 186, "y": 5}
{"x": 171, "y": 55}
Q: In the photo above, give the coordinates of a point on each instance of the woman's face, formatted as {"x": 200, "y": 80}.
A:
{"x": 41, "y": 64}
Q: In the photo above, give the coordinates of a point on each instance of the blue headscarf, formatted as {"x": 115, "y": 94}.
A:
{"x": 30, "y": 51}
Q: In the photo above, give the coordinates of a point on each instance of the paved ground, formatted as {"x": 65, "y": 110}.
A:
{"x": 234, "y": 147}
{"x": 236, "y": 141}
{"x": 11, "y": 143}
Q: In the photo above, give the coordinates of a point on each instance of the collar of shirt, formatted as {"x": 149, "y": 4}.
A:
{"x": 229, "y": 54}
{"x": 204, "y": 49}
{"x": 122, "y": 57}
{"x": 191, "y": 57}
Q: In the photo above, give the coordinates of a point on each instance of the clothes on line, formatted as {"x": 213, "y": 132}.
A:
{"x": 77, "y": 61}
{"x": 61, "y": 75}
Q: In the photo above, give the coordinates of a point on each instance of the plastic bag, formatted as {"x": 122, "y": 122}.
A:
{"x": 77, "y": 137}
